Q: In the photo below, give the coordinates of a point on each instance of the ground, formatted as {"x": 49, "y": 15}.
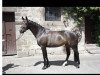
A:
{"x": 89, "y": 64}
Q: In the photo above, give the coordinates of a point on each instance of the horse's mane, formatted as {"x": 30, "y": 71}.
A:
{"x": 38, "y": 25}
{"x": 34, "y": 23}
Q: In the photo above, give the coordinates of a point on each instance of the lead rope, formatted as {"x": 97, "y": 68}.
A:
{"x": 19, "y": 37}
{"x": 16, "y": 39}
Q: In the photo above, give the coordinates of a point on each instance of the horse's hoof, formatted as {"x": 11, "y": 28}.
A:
{"x": 48, "y": 65}
{"x": 77, "y": 66}
{"x": 44, "y": 67}
{"x": 65, "y": 63}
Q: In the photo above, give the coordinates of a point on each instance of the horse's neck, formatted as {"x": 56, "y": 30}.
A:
{"x": 37, "y": 31}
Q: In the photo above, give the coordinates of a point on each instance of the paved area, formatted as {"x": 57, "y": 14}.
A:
{"x": 90, "y": 64}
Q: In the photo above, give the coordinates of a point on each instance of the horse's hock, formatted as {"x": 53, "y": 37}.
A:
{"x": 27, "y": 44}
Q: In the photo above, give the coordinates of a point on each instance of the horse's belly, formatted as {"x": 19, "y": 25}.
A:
{"x": 54, "y": 45}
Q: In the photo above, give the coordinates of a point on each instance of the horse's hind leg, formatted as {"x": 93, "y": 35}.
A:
{"x": 68, "y": 54}
{"x": 76, "y": 55}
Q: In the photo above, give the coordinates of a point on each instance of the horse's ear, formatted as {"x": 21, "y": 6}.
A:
{"x": 22, "y": 18}
{"x": 26, "y": 18}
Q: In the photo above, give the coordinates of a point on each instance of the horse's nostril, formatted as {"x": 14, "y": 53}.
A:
{"x": 20, "y": 31}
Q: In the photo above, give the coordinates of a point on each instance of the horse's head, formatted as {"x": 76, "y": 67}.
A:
{"x": 24, "y": 26}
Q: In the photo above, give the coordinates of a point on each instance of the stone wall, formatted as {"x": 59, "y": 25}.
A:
{"x": 27, "y": 44}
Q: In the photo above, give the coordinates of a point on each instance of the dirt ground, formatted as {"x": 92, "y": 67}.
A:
{"x": 89, "y": 64}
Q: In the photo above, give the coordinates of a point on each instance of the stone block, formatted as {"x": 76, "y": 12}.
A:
{"x": 18, "y": 14}
{"x": 10, "y": 9}
{"x": 22, "y": 53}
{"x": 18, "y": 22}
{"x": 38, "y": 51}
{"x": 32, "y": 52}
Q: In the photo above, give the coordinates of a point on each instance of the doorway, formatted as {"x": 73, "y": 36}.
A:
{"x": 89, "y": 30}
{"x": 8, "y": 33}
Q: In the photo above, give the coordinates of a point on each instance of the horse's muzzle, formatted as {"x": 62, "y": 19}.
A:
{"x": 21, "y": 31}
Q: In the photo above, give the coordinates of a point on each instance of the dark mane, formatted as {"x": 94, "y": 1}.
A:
{"x": 36, "y": 28}
{"x": 34, "y": 23}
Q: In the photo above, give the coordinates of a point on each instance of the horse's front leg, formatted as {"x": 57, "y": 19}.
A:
{"x": 46, "y": 61}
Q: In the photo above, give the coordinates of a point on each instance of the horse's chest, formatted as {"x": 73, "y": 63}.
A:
{"x": 42, "y": 40}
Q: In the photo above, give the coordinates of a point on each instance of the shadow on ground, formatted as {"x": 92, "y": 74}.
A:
{"x": 58, "y": 63}
{"x": 8, "y": 66}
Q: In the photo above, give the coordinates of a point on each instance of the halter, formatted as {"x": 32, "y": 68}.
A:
{"x": 19, "y": 36}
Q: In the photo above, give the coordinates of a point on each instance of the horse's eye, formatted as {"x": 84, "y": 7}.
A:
{"x": 23, "y": 27}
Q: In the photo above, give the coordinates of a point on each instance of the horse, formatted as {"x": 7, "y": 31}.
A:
{"x": 49, "y": 38}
